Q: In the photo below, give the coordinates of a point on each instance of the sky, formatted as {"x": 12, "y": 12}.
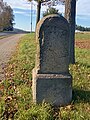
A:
{"x": 22, "y": 12}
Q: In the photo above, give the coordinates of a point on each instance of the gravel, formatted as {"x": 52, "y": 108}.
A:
{"x": 7, "y": 48}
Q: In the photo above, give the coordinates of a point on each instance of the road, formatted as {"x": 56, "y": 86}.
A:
{"x": 7, "y": 47}
{"x": 7, "y": 33}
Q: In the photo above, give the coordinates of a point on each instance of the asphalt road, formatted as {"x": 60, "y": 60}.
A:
{"x": 7, "y": 48}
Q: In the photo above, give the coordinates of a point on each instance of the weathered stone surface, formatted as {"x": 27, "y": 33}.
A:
{"x": 53, "y": 36}
{"x": 51, "y": 79}
{"x": 55, "y": 89}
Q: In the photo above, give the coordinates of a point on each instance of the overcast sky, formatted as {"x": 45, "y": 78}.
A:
{"x": 22, "y": 12}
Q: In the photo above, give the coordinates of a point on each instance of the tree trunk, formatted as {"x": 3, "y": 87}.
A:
{"x": 70, "y": 13}
{"x": 38, "y": 11}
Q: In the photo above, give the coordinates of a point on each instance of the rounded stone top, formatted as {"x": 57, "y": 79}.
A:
{"x": 52, "y": 19}
{"x": 52, "y": 36}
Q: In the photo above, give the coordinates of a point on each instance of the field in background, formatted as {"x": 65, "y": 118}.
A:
{"x": 15, "y": 91}
{"x": 83, "y": 40}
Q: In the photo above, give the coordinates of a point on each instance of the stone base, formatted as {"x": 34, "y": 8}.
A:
{"x": 55, "y": 89}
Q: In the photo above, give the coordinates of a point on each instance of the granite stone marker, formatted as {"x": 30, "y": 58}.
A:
{"x": 51, "y": 79}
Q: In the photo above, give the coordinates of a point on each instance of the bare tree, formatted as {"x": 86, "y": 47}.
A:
{"x": 39, "y": 6}
{"x": 38, "y": 9}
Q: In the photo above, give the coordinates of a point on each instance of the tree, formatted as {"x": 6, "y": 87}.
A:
{"x": 50, "y": 11}
{"x": 81, "y": 28}
{"x": 1, "y": 13}
{"x": 70, "y": 13}
{"x": 39, "y": 6}
{"x": 6, "y": 17}
{"x": 38, "y": 9}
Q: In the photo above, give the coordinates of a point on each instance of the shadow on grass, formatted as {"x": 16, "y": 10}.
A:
{"x": 81, "y": 96}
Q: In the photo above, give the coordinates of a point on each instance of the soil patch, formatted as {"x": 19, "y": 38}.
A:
{"x": 83, "y": 44}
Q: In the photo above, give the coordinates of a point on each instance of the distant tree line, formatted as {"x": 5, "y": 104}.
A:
{"x": 6, "y": 17}
{"x": 79, "y": 27}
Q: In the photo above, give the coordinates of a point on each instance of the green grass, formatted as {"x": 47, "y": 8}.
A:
{"x": 1, "y": 37}
{"x": 83, "y": 56}
{"x": 82, "y": 36}
{"x": 16, "y": 95}
{"x": 80, "y": 107}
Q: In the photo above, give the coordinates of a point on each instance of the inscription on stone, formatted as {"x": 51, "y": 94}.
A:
{"x": 54, "y": 46}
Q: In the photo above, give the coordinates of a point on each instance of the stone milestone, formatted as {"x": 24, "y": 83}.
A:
{"x": 51, "y": 79}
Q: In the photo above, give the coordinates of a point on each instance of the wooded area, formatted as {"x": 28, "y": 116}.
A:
{"x": 81, "y": 28}
{"x": 6, "y": 17}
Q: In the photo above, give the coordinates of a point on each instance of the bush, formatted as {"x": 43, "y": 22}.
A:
{"x": 51, "y": 11}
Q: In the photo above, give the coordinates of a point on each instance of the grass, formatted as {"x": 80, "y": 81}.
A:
{"x": 82, "y": 36}
{"x": 80, "y": 107}
{"x": 15, "y": 91}
{"x": 1, "y": 37}
{"x": 83, "y": 56}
